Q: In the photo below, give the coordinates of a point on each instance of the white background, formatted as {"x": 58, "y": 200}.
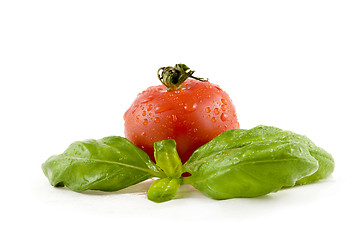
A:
{"x": 70, "y": 69}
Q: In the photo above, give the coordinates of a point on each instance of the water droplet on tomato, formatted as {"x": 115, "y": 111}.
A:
{"x": 213, "y": 119}
{"x": 224, "y": 101}
{"x": 216, "y": 111}
{"x": 207, "y": 109}
{"x": 195, "y": 130}
{"x": 223, "y": 107}
{"x": 162, "y": 108}
{"x": 145, "y": 122}
{"x": 144, "y": 113}
{"x": 217, "y": 87}
{"x": 157, "y": 120}
{"x": 190, "y": 107}
{"x": 223, "y": 117}
{"x": 148, "y": 99}
{"x": 150, "y": 107}
{"x": 134, "y": 108}
{"x": 174, "y": 117}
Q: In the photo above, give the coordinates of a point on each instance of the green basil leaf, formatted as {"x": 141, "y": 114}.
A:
{"x": 233, "y": 138}
{"x": 164, "y": 189}
{"x": 236, "y": 138}
{"x": 167, "y": 158}
{"x": 325, "y": 159}
{"x": 252, "y": 170}
{"x": 108, "y": 164}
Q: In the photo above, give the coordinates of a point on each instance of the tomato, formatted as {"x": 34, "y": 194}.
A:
{"x": 191, "y": 115}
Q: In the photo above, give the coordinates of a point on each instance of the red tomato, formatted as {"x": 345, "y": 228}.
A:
{"x": 192, "y": 116}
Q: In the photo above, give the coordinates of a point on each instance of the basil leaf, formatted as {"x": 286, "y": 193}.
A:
{"x": 250, "y": 171}
{"x": 167, "y": 158}
{"x": 164, "y": 189}
{"x": 233, "y": 138}
{"x": 236, "y": 138}
{"x": 108, "y": 164}
{"x": 325, "y": 160}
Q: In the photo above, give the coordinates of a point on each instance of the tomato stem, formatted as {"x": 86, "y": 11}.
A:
{"x": 174, "y": 77}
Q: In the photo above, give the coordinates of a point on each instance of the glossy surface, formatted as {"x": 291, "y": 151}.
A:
{"x": 167, "y": 158}
{"x": 239, "y": 137}
{"x": 108, "y": 164}
{"x": 191, "y": 116}
{"x": 255, "y": 162}
{"x": 163, "y": 189}
{"x": 253, "y": 170}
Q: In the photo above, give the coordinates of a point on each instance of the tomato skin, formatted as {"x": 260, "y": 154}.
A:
{"x": 192, "y": 116}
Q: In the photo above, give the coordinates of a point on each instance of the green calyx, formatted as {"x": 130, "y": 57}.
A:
{"x": 174, "y": 77}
